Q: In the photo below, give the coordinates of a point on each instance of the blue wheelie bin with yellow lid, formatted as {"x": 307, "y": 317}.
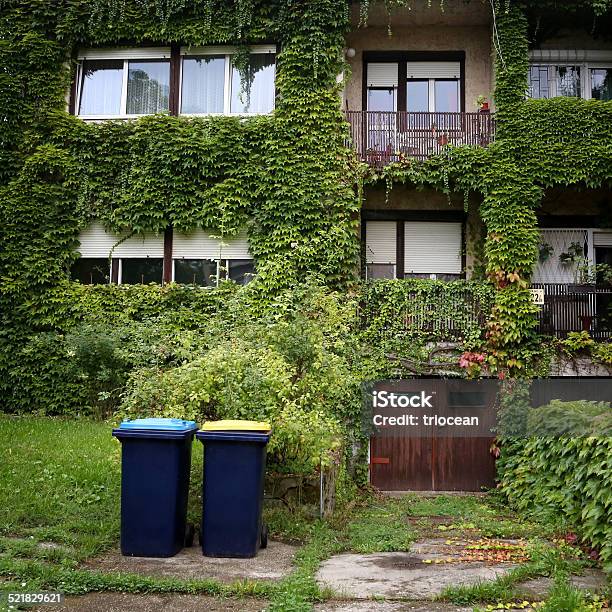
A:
{"x": 155, "y": 467}
{"x": 233, "y": 487}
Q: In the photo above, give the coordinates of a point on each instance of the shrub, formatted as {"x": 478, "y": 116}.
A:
{"x": 602, "y": 352}
{"x": 578, "y": 418}
{"x": 234, "y": 380}
{"x": 303, "y": 441}
{"x": 567, "y": 477}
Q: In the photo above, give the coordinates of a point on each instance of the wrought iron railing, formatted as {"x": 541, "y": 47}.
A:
{"x": 574, "y": 308}
{"x": 380, "y": 138}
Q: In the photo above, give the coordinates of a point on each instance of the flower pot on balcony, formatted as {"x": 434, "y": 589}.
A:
{"x": 484, "y": 108}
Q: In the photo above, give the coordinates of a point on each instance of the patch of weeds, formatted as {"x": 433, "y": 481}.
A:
{"x": 500, "y": 590}
{"x": 295, "y": 527}
{"x": 545, "y": 560}
{"x": 563, "y": 597}
{"x": 380, "y": 528}
{"x": 296, "y": 592}
{"x": 459, "y": 506}
{"x": 34, "y": 575}
{"x": 513, "y": 528}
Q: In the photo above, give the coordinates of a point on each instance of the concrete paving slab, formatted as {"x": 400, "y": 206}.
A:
{"x": 424, "y": 572}
{"x": 127, "y": 602}
{"x": 271, "y": 563}
{"x": 386, "y": 606}
{"x": 397, "y": 575}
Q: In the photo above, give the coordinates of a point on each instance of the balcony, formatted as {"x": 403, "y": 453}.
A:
{"x": 435, "y": 311}
{"x": 574, "y": 308}
{"x": 380, "y": 138}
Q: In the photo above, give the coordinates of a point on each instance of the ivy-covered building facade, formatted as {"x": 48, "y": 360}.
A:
{"x": 460, "y": 150}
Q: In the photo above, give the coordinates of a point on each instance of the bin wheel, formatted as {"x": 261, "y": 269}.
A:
{"x": 264, "y": 536}
{"x": 189, "y": 534}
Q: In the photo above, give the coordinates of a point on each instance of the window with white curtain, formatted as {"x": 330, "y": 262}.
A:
{"x": 127, "y": 83}
{"x": 257, "y": 95}
{"x": 203, "y": 84}
{"x": 211, "y": 84}
{"x": 121, "y": 83}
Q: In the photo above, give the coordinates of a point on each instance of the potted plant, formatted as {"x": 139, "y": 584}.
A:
{"x": 482, "y": 102}
{"x": 573, "y": 255}
{"x": 545, "y": 251}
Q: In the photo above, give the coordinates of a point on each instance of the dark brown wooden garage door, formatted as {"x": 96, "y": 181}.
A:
{"x": 433, "y": 463}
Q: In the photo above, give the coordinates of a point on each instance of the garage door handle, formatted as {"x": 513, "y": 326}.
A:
{"x": 379, "y": 460}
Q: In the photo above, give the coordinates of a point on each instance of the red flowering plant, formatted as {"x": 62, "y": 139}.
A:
{"x": 472, "y": 363}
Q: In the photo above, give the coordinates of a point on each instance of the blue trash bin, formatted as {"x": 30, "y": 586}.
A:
{"x": 233, "y": 488}
{"x": 155, "y": 467}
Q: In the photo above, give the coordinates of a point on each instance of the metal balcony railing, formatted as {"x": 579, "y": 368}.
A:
{"x": 380, "y": 138}
{"x": 574, "y": 308}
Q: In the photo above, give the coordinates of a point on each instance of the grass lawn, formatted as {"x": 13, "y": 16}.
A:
{"x": 59, "y": 505}
{"x": 60, "y": 482}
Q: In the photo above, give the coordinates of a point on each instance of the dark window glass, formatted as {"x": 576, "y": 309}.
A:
{"x": 538, "y": 82}
{"x": 90, "y": 271}
{"x": 417, "y": 99}
{"x": 141, "y": 271}
{"x": 148, "y": 87}
{"x": 201, "y": 272}
{"x": 380, "y": 271}
{"x": 203, "y": 84}
{"x": 260, "y": 97}
{"x": 381, "y": 100}
{"x": 241, "y": 270}
{"x": 601, "y": 83}
{"x": 101, "y": 87}
{"x": 568, "y": 81}
{"x": 467, "y": 399}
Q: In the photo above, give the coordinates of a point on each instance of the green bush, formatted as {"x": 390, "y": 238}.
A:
{"x": 568, "y": 478}
{"x": 233, "y": 380}
{"x": 578, "y": 418}
{"x": 237, "y": 380}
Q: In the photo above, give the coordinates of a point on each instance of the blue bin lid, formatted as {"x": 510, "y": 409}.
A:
{"x": 158, "y": 424}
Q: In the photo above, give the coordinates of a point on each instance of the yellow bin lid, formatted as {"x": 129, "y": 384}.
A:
{"x": 229, "y": 425}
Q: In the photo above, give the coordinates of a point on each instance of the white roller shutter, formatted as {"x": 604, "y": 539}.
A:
{"x": 236, "y": 248}
{"x": 200, "y": 245}
{"x": 122, "y": 53}
{"x": 383, "y": 74}
{"x": 434, "y": 70}
{"x": 148, "y": 245}
{"x": 225, "y": 50}
{"x": 381, "y": 241}
{"x": 96, "y": 242}
{"x": 602, "y": 239}
{"x": 195, "y": 245}
{"x": 432, "y": 247}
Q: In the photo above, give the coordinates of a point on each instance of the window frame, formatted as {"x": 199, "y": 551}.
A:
{"x": 120, "y": 268}
{"x": 400, "y": 217}
{"x": 174, "y": 56}
{"x": 223, "y": 265}
{"x": 126, "y": 55}
{"x": 585, "y": 61}
{"x": 227, "y": 52}
{"x": 402, "y": 59}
